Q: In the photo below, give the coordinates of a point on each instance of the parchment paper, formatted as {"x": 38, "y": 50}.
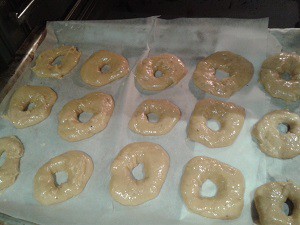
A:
{"x": 190, "y": 40}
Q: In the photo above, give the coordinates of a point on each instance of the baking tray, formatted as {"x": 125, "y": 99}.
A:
{"x": 136, "y": 39}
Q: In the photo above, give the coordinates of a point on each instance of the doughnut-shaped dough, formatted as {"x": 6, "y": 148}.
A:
{"x": 11, "y": 167}
{"x": 269, "y": 199}
{"x": 274, "y": 143}
{"x": 91, "y": 71}
{"x": 171, "y": 67}
{"x": 124, "y": 188}
{"x": 228, "y": 202}
{"x": 43, "y": 98}
{"x": 239, "y": 69}
{"x": 99, "y": 104}
{"x": 230, "y": 116}
{"x": 79, "y": 167}
{"x": 167, "y": 112}
{"x": 44, "y": 67}
{"x": 270, "y": 76}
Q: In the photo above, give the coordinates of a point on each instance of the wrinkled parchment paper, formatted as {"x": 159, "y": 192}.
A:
{"x": 189, "y": 39}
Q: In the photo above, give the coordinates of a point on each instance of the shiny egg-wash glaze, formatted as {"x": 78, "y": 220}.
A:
{"x": 99, "y": 104}
{"x": 168, "y": 114}
{"x": 171, "y": 67}
{"x": 228, "y": 202}
{"x": 91, "y": 70}
{"x": 11, "y": 167}
{"x": 270, "y": 76}
{"x": 44, "y": 64}
{"x": 269, "y": 200}
{"x": 230, "y": 116}
{"x": 79, "y": 167}
{"x": 239, "y": 69}
{"x": 124, "y": 188}
{"x": 18, "y": 113}
{"x": 274, "y": 143}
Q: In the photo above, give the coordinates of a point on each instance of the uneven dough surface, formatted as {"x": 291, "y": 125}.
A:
{"x": 44, "y": 64}
{"x": 124, "y": 188}
{"x": 228, "y": 202}
{"x": 274, "y": 143}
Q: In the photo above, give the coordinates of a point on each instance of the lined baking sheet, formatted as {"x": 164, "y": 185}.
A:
{"x": 189, "y": 39}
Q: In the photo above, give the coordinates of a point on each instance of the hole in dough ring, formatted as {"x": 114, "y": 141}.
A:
{"x": 91, "y": 70}
{"x": 167, "y": 112}
{"x": 274, "y": 143}
{"x": 229, "y": 200}
{"x": 240, "y": 72}
{"x": 270, "y": 76}
{"x": 269, "y": 200}
{"x": 44, "y": 67}
{"x": 124, "y": 188}
{"x": 171, "y": 67}
{"x": 99, "y": 104}
{"x": 230, "y": 116}
{"x": 11, "y": 167}
{"x": 42, "y": 97}
{"x": 79, "y": 167}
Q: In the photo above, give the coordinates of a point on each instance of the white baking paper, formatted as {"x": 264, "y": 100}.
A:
{"x": 189, "y": 39}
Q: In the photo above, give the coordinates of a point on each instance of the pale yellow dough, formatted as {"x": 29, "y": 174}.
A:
{"x": 270, "y": 76}
{"x": 269, "y": 200}
{"x": 274, "y": 143}
{"x": 168, "y": 115}
{"x": 124, "y": 188}
{"x": 230, "y": 116}
{"x": 10, "y": 169}
{"x": 91, "y": 70}
{"x": 79, "y": 167}
{"x": 99, "y": 104}
{"x": 171, "y": 67}
{"x": 228, "y": 202}
{"x": 43, "y": 98}
{"x": 239, "y": 69}
{"x": 44, "y": 64}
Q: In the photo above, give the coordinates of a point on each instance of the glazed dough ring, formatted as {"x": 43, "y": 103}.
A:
{"x": 274, "y": 143}
{"x": 11, "y": 167}
{"x": 167, "y": 112}
{"x": 91, "y": 71}
{"x": 44, "y": 67}
{"x": 99, "y": 104}
{"x": 228, "y": 202}
{"x": 230, "y": 116}
{"x": 124, "y": 188}
{"x": 269, "y": 199}
{"x": 171, "y": 67}
{"x": 240, "y": 72}
{"x": 79, "y": 167}
{"x": 270, "y": 76}
{"x": 43, "y": 98}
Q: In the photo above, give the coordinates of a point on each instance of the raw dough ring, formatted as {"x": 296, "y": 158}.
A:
{"x": 167, "y": 112}
{"x": 269, "y": 199}
{"x": 43, "y": 98}
{"x": 230, "y": 116}
{"x": 171, "y": 67}
{"x": 99, "y": 104}
{"x": 11, "y": 167}
{"x": 44, "y": 67}
{"x": 91, "y": 71}
{"x": 240, "y": 72}
{"x": 124, "y": 188}
{"x": 270, "y": 76}
{"x": 274, "y": 143}
{"x": 79, "y": 167}
{"x": 228, "y": 202}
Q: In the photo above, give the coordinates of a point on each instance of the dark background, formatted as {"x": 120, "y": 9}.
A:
{"x": 20, "y": 18}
